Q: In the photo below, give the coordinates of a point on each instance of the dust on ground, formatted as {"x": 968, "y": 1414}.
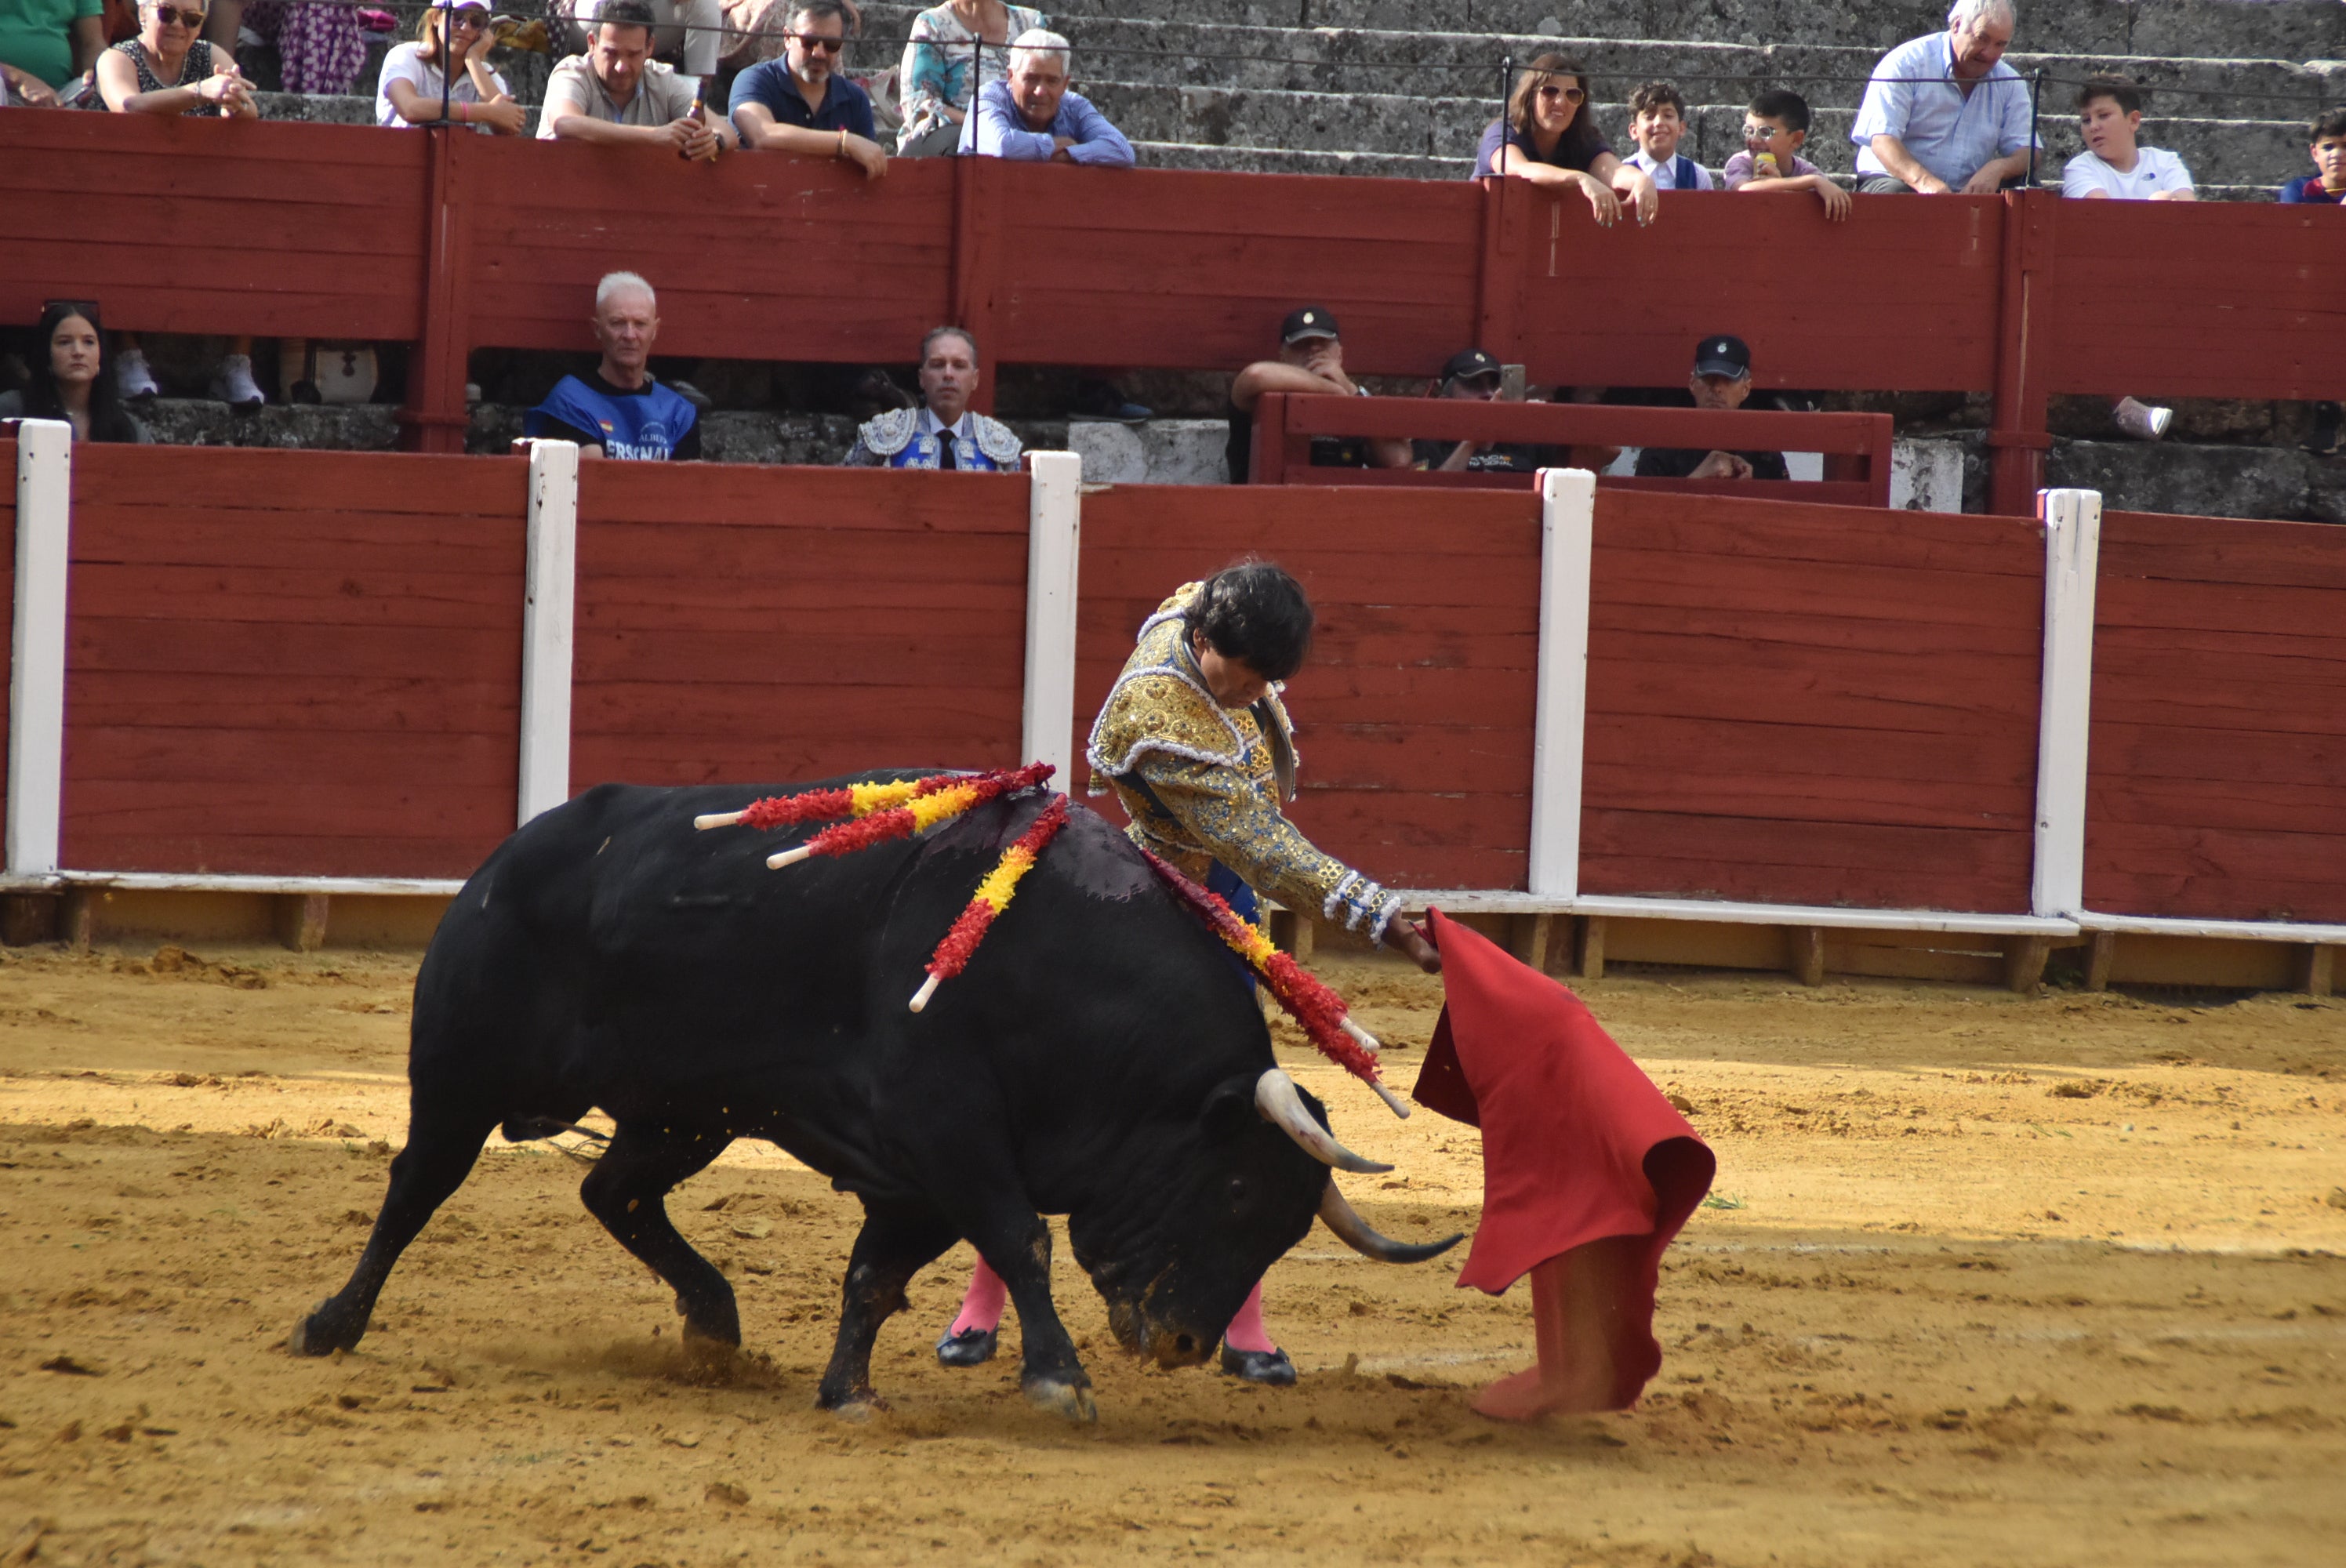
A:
{"x": 1983, "y": 1280}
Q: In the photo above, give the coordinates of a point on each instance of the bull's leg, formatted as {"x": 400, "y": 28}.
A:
{"x": 443, "y": 1142}
{"x": 1051, "y": 1372}
{"x": 894, "y": 1244}
{"x": 627, "y": 1191}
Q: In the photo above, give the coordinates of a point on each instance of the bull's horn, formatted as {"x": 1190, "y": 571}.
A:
{"x": 1282, "y": 1104}
{"x": 1362, "y": 1237}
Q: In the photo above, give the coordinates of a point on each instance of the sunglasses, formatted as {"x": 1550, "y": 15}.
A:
{"x": 1569, "y": 94}
{"x": 812, "y": 42}
{"x": 1761, "y": 133}
{"x": 168, "y": 15}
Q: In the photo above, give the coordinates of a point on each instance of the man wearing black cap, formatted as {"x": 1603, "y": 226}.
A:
{"x": 1473, "y": 375}
{"x": 1311, "y": 362}
{"x": 1721, "y": 380}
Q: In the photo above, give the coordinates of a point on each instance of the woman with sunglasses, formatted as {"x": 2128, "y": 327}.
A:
{"x": 413, "y": 86}
{"x": 1549, "y": 138}
{"x": 169, "y": 70}
{"x": 69, "y": 379}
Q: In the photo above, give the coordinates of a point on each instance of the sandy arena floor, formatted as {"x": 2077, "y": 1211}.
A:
{"x": 1984, "y": 1280}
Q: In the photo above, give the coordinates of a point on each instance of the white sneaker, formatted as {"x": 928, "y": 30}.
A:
{"x": 233, "y": 384}
{"x": 132, "y": 377}
{"x": 2142, "y": 421}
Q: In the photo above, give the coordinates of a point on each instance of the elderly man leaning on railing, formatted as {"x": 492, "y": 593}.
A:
{"x": 1032, "y": 117}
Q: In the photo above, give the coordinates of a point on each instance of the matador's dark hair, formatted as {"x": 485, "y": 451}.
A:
{"x": 1255, "y": 612}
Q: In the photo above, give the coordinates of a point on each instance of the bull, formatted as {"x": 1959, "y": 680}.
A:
{"x": 1101, "y": 1058}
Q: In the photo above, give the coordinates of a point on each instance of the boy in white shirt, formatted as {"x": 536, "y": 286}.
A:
{"x": 2109, "y": 112}
{"x": 2113, "y": 168}
{"x": 1657, "y": 123}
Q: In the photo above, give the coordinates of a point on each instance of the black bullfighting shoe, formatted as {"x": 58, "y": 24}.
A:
{"x": 970, "y": 1348}
{"x": 1271, "y": 1367}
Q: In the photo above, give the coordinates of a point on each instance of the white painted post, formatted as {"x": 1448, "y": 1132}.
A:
{"x": 548, "y": 607}
{"x": 1567, "y": 535}
{"x": 36, "y": 671}
{"x": 1054, "y": 549}
{"x": 2073, "y": 545}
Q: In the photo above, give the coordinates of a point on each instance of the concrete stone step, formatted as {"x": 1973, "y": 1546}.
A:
{"x": 2250, "y": 152}
{"x": 2216, "y": 29}
{"x": 1467, "y": 65}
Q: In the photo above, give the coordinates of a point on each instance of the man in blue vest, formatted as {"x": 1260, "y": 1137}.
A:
{"x": 944, "y": 431}
{"x": 1657, "y": 123}
{"x": 619, "y": 409}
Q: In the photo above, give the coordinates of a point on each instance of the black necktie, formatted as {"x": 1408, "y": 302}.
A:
{"x": 945, "y": 458}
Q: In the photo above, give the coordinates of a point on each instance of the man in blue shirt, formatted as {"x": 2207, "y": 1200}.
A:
{"x": 1944, "y": 113}
{"x": 801, "y": 103}
{"x": 1032, "y": 117}
{"x": 619, "y": 409}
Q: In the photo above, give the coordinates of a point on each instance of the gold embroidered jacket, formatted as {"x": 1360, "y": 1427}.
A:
{"x": 1203, "y": 782}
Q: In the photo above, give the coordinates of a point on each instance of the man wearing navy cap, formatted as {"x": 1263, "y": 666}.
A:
{"x": 1721, "y": 380}
{"x": 1473, "y": 375}
{"x": 1311, "y": 362}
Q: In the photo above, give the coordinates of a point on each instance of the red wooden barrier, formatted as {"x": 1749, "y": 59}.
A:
{"x": 451, "y": 242}
{"x": 292, "y": 663}
{"x": 2199, "y": 299}
{"x": 2217, "y": 782}
{"x": 214, "y": 226}
{"x": 1856, "y": 446}
{"x": 1194, "y": 270}
{"x": 772, "y": 624}
{"x": 1414, "y": 714}
{"x": 1902, "y": 295}
{"x": 1811, "y": 705}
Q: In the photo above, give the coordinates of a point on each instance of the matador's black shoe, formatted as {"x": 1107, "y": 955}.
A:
{"x": 1271, "y": 1368}
{"x": 970, "y": 1348}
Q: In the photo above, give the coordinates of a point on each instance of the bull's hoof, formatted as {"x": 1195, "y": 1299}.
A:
{"x": 320, "y": 1335}
{"x": 1073, "y": 1401}
{"x": 1270, "y": 1368}
{"x": 857, "y": 1405}
{"x": 970, "y": 1348}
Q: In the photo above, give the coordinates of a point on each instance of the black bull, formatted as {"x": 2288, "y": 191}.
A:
{"x": 1101, "y": 1058}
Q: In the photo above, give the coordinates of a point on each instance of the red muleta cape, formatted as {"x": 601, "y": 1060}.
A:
{"x": 1578, "y": 1144}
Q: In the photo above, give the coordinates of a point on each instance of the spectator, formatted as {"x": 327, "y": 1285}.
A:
{"x": 1311, "y": 362}
{"x": 944, "y": 431}
{"x": 1474, "y": 376}
{"x": 70, "y": 380}
{"x": 1656, "y": 124}
{"x": 409, "y": 90}
{"x": 2109, "y": 112}
{"x": 1943, "y": 112}
{"x": 801, "y": 103}
{"x": 321, "y": 48}
{"x": 2328, "y": 182}
{"x": 685, "y": 33}
{"x": 1032, "y": 115}
{"x": 1721, "y": 380}
{"x": 951, "y": 55}
{"x": 1549, "y": 137}
{"x": 615, "y": 94}
{"x": 45, "y": 44}
{"x": 619, "y": 409}
{"x": 1775, "y": 127}
{"x": 168, "y": 70}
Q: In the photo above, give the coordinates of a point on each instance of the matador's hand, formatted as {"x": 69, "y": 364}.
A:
{"x": 1411, "y": 940}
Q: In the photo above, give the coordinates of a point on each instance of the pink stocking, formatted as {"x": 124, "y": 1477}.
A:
{"x": 981, "y": 1306}
{"x": 1246, "y": 1332}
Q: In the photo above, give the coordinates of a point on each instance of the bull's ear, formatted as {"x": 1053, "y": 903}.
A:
{"x": 1228, "y": 1109}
